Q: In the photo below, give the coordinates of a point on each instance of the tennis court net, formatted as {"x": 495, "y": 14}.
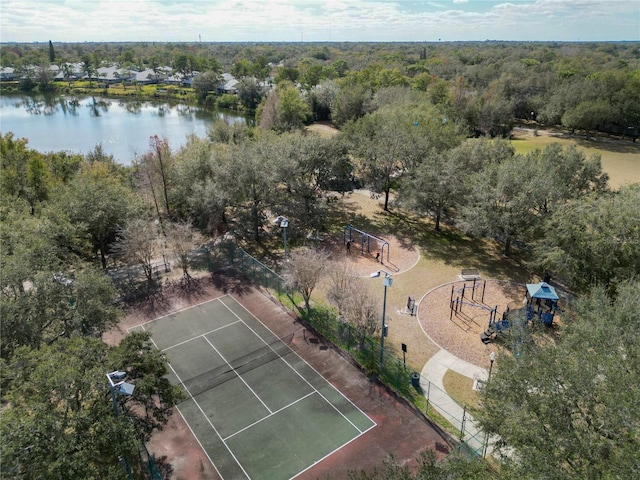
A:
{"x": 199, "y": 384}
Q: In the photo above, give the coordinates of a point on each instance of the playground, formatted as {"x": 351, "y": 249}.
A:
{"x": 457, "y": 328}
{"x": 399, "y": 253}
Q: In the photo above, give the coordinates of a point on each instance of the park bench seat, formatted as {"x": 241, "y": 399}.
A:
{"x": 470, "y": 273}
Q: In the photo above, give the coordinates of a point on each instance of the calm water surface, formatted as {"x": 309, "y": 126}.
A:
{"x": 78, "y": 124}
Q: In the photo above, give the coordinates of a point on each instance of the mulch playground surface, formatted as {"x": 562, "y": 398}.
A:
{"x": 400, "y": 430}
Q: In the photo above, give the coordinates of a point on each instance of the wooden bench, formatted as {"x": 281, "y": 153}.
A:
{"x": 470, "y": 274}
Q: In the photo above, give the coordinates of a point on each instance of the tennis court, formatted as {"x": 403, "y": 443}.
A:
{"x": 256, "y": 407}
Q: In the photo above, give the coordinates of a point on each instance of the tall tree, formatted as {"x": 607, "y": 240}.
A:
{"x": 99, "y": 202}
{"x": 356, "y": 303}
{"x": 183, "y": 239}
{"x": 593, "y": 239}
{"x": 570, "y": 409}
{"x": 308, "y": 165}
{"x": 137, "y": 244}
{"x": 205, "y": 84}
{"x": 392, "y": 141}
{"x": 60, "y": 422}
{"x": 52, "y": 53}
{"x": 284, "y": 109}
{"x": 304, "y": 271}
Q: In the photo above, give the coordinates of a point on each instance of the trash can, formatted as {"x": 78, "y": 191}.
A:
{"x": 415, "y": 380}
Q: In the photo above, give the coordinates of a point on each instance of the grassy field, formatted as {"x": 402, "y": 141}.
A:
{"x": 620, "y": 158}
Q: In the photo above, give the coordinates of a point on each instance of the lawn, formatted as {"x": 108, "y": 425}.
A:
{"x": 620, "y": 158}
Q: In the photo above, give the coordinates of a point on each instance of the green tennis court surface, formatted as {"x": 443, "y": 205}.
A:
{"x": 257, "y": 408}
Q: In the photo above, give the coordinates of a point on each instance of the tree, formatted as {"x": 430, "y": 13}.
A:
{"x": 304, "y": 270}
{"x": 351, "y": 103}
{"x": 205, "y": 84}
{"x": 510, "y": 200}
{"x": 321, "y": 98}
{"x": 454, "y": 467}
{"x": 52, "y": 53}
{"x": 283, "y": 109}
{"x": 307, "y": 165}
{"x": 589, "y": 115}
{"x": 500, "y": 203}
{"x": 137, "y": 245}
{"x": 241, "y": 68}
{"x": 59, "y": 422}
{"x": 100, "y": 203}
{"x": 593, "y": 239}
{"x": 356, "y": 304}
{"x": 247, "y": 178}
{"x": 250, "y": 93}
{"x": 88, "y": 67}
{"x": 438, "y": 184}
{"x": 199, "y": 192}
{"x": 154, "y": 170}
{"x": 183, "y": 239}
{"x": 392, "y": 141}
{"x": 53, "y": 305}
{"x": 570, "y": 409}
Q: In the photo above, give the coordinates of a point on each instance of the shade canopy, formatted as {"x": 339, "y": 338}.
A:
{"x": 542, "y": 290}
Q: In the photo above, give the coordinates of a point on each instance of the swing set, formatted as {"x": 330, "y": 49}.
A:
{"x": 365, "y": 241}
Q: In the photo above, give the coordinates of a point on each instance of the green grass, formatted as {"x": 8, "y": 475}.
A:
{"x": 460, "y": 388}
{"x": 620, "y": 158}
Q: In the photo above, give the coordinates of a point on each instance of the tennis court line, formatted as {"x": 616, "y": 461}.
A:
{"x": 201, "y": 335}
{"x": 239, "y": 376}
{"x": 206, "y": 417}
{"x": 270, "y": 415}
{"x": 177, "y": 311}
{"x": 298, "y": 373}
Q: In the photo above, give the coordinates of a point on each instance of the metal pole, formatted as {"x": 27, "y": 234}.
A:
{"x": 384, "y": 312}
{"x": 284, "y": 235}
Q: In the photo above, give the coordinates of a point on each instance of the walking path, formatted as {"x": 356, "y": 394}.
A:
{"x": 433, "y": 373}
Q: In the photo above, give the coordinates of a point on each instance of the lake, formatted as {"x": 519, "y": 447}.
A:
{"x": 123, "y": 128}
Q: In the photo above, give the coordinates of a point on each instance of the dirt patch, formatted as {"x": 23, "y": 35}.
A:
{"x": 400, "y": 430}
{"x": 460, "y": 334}
{"x": 324, "y": 129}
{"x": 361, "y": 258}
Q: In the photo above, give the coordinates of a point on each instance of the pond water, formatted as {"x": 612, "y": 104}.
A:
{"x": 123, "y": 128}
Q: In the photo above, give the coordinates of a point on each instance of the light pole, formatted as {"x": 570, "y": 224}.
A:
{"x": 117, "y": 384}
{"x": 283, "y": 222}
{"x": 386, "y": 281}
{"x": 492, "y": 358}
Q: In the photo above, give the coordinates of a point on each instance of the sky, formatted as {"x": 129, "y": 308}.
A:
{"x": 318, "y": 20}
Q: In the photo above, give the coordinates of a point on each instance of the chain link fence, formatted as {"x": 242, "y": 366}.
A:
{"x": 366, "y": 352}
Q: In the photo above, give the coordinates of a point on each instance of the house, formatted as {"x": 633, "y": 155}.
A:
{"x": 7, "y": 74}
{"x": 149, "y": 76}
{"x": 229, "y": 84}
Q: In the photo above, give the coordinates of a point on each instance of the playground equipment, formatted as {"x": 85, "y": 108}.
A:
{"x": 365, "y": 241}
{"x": 456, "y": 305}
{"x": 540, "y": 301}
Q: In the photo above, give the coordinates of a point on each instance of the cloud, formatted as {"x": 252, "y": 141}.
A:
{"x": 316, "y": 20}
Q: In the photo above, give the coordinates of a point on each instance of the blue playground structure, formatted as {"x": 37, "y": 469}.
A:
{"x": 540, "y": 301}
{"x": 365, "y": 241}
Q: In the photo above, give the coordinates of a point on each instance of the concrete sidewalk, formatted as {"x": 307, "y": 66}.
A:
{"x": 431, "y": 381}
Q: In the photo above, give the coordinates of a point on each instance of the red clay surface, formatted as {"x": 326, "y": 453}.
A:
{"x": 400, "y": 429}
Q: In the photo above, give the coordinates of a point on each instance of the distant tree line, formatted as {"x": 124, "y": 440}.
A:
{"x": 488, "y": 86}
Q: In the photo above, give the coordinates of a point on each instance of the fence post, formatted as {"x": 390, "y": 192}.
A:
{"x": 464, "y": 420}
{"x": 428, "y": 391}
